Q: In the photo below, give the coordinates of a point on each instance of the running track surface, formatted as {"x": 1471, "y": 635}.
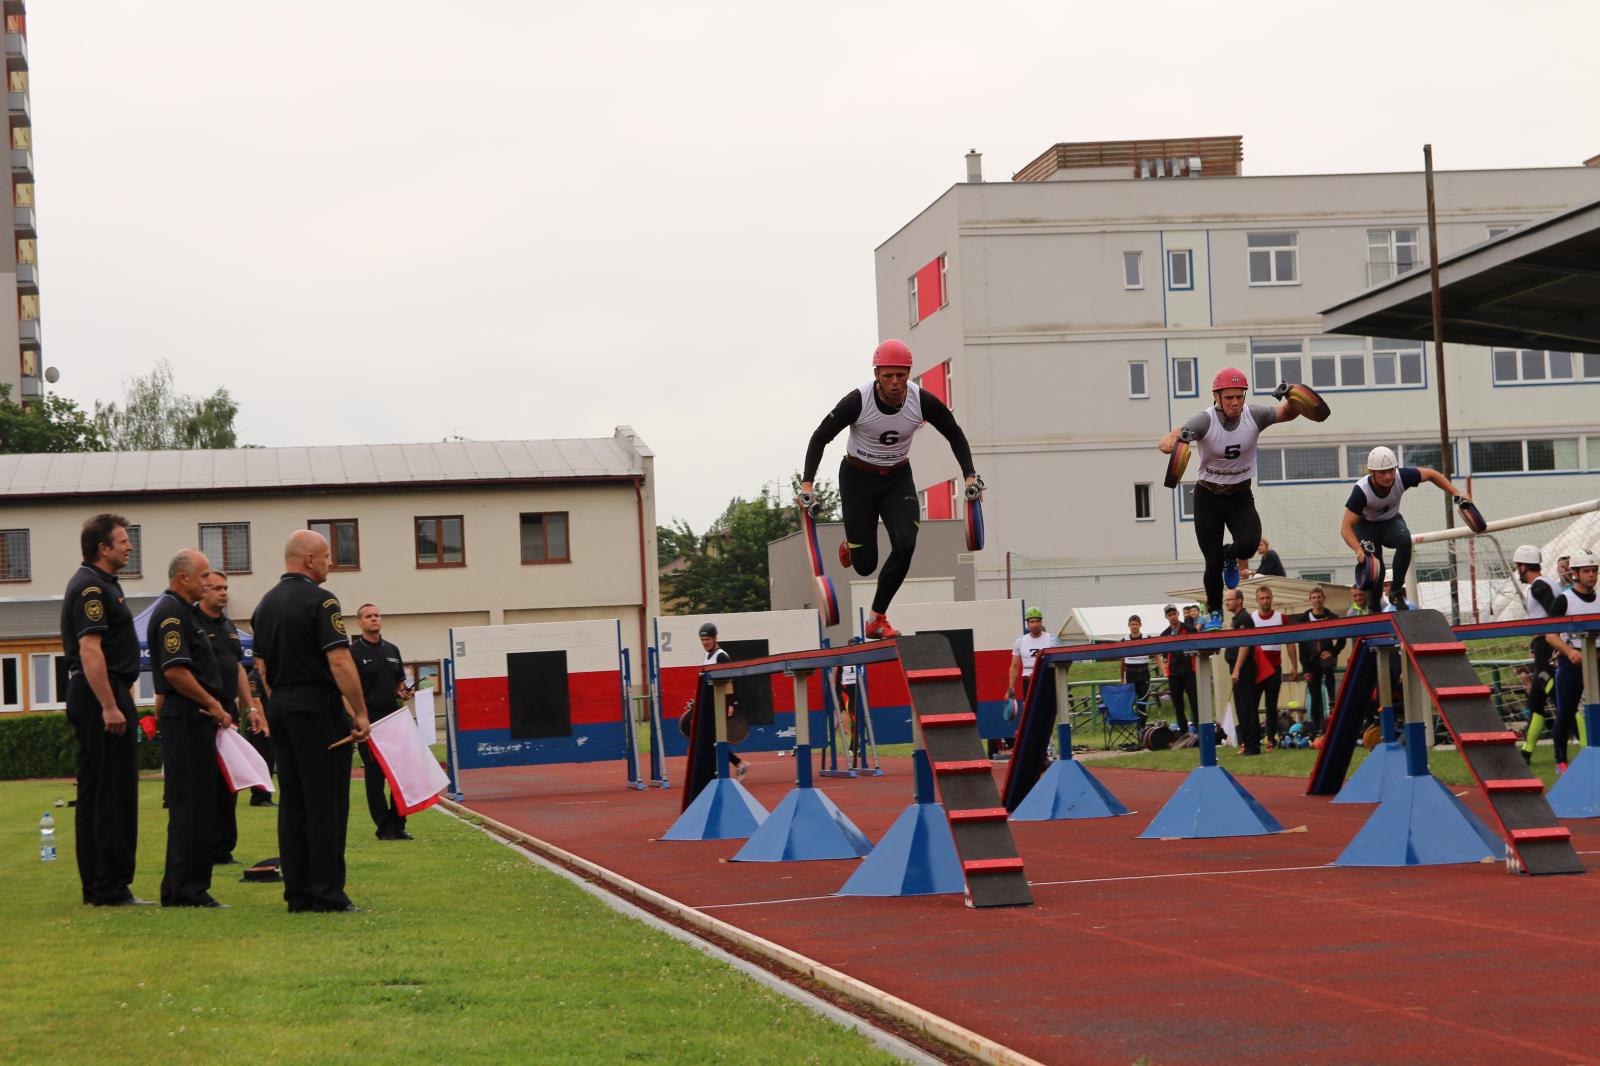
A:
{"x": 1243, "y": 949}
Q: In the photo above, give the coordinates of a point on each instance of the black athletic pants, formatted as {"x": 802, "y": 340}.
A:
{"x": 1569, "y": 704}
{"x": 226, "y": 818}
{"x": 867, "y": 497}
{"x": 1246, "y": 703}
{"x": 189, "y": 763}
{"x": 384, "y": 814}
{"x": 1543, "y": 670}
{"x": 106, "y": 824}
{"x": 1214, "y": 513}
{"x": 261, "y": 797}
{"x": 1268, "y": 688}
{"x": 1139, "y": 678}
{"x": 314, "y": 794}
{"x": 1390, "y": 533}
{"x": 1321, "y": 689}
{"x": 1182, "y": 686}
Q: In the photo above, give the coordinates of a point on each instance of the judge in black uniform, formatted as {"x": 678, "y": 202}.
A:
{"x": 262, "y": 742}
{"x": 303, "y": 654}
{"x": 188, "y": 694}
{"x": 383, "y": 684}
{"x": 229, "y": 650}
{"x": 101, "y": 647}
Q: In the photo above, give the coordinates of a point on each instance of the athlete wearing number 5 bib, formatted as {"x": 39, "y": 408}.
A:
{"x": 1224, "y": 436}
{"x": 875, "y": 476}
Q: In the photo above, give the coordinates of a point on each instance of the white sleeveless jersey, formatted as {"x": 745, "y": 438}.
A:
{"x": 1535, "y": 608}
{"x": 1228, "y": 456}
{"x": 1272, "y": 621}
{"x": 1576, "y": 604}
{"x": 880, "y": 439}
{"x": 1380, "y": 508}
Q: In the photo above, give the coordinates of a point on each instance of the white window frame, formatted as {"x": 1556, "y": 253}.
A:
{"x": 219, "y": 559}
{"x": 1576, "y": 362}
{"x": 1194, "y": 377}
{"x": 22, "y": 690}
{"x": 1526, "y": 470}
{"x": 1388, "y": 242}
{"x": 1136, "y": 260}
{"x": 1144, "y": 497}
{"x": 1341, "y": 350}
{"x": 912, "y": 292}
{"x": 1270, "y": 251}
{"x": 135, "y": 567}
{"x": 944, "y": 280}
{"x": 1183, "y": 501}
{"x": 1500, "y": 229}
{"x": 59, "y": 699}
{"x": 1284, "y": 452}
{"x": 1144, "y": 371}
{"x": 1263, "y": 386}
{"x": 1417, "y": 348}
{"x": 1186, "y": 256}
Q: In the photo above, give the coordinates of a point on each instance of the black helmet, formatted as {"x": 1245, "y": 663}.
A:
{"x": 709, "y": 629}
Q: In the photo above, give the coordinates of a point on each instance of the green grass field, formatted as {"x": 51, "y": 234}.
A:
{"x": 465, "y": 951}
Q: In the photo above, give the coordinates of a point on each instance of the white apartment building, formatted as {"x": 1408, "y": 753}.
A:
{"x": 1073, "y": 315}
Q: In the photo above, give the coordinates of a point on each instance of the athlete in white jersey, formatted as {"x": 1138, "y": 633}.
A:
{"x": 1372, "y": 520}
{"x": 1026, "y": 650}
{"x": 1224, "y": 436}
{"x": 875, "y": 477}
{"x": 1568, "y": 647}
{"x": 1544, "y": 601}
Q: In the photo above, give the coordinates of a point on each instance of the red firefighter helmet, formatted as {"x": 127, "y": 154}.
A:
{"x": 892, "y": 353}
{"x": 1229, "y": 378}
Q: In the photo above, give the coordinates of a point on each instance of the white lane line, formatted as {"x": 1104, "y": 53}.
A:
{"x": 1189, "y": 873}
{"x": 766, "y": 902}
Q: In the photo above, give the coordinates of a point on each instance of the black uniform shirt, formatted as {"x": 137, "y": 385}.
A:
{"x": 1311, "y": 650}
{"x": 94, "y": 604}
{"x": 176, "y": 638}
{"x": 295, "y": 625}
{"x": 381, "y": 669}
{"x": 228, "y": 648}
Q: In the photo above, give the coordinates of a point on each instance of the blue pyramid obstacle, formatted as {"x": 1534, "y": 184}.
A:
{"x": 1576, "y": 793}
{"x": 1383, "y": 766}
{"x": 1067, "y": 790}
{"x": 916, "y": 857}
{"x": 806, "y": 825}
{"x": 1421, "y": 823}
{"x": 1210, "y": 803}
{"x": 724, "y": 810}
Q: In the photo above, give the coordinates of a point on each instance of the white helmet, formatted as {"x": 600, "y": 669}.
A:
{"x": 1581, "y": 559}
{"x": 1528, "y": 555}
{"x": 1381, "y": 458}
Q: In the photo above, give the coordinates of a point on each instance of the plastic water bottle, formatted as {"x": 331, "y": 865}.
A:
{"x": 47, "y": 838}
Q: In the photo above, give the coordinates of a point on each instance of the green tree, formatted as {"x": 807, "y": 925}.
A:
{"x": 155, "y": 416}
{"x": 51, "y": 424}
{"x": 725, "y": 569}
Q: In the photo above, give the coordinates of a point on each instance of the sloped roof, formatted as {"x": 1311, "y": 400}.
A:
{"x": 345, "y": 466}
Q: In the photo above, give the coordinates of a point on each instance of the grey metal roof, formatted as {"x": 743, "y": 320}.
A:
{"x": 347, "y": 466}
{"x": 31, "y": 619}
{"x": 1536, "y": 287}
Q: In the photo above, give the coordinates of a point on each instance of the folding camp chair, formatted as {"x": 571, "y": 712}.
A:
{"x": 1120, "y": 718}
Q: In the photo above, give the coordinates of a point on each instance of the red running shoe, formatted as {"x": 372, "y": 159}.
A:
{"x": 880, "y": 629}
{"x": 844, "y": 554}
{"x": 1561, "y": 767}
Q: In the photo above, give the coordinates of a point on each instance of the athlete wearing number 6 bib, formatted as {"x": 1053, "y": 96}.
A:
{"x": 875, "y": 476}
{"x": 1224, "y": 436}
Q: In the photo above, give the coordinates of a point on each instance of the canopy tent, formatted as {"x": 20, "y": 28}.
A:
{"x": 141, "y": 625}
{"x": 1537, "y": 287}
{"x": 1093, "y": 625}
{"x": 1289, "y": 594}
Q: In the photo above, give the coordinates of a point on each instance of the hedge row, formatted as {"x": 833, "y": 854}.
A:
{"x": 42, "y": 745}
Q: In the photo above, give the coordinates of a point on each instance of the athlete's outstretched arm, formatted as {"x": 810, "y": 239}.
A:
{"x": 1347, "y": 530}
{"x": 939, "y": 417}
{"x": 1431, "y": 475}
{"x": 843, "y": 414}
{"x": 1192, "y": 430}
{"x": 1285, "y": 412}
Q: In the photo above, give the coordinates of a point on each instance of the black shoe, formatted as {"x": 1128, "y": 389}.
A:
{"x": 130, "y": 901}
{"x": 262, "y": 801}
{"x": 212, "y": 904}
{"x": 346, "y": 908}
{"x": 1527, "y": 756}
{"x": 394, "y": 834}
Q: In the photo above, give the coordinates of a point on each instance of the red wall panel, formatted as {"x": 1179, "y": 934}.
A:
{"x": 930, "y": 290}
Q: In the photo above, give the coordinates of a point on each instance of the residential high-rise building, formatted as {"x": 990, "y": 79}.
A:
{"x": 19, "y": 286}
{"x": 1073, "y": 315}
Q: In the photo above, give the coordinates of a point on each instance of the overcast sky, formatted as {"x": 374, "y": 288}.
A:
{"x": 382, "y": 222}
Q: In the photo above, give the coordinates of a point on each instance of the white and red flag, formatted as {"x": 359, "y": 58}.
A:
{"x": 413, "y": 772}
{"x": 242, "y": 766}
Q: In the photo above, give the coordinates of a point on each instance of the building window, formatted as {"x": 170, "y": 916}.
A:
{"x": 135, "y": 567}
{"x": 10, "y": 682}
{"x": 1141, "y": 503}
{"x": 1180, "y": 269}
{"x": 1138, "y": 380}
{"x": 938, "y": 501}
{"x": 1185, "y": 377}
{"x": 1274, "y": 258}
{"x": 1274, "y": 361}
{"x": 937, "y": 382}
{"x": 1391, "y": 253}
{"x": 16, "y": 562}
{"x": 912, "y": 294}
{"x": 1533, "y": 456}
{"x": 1323, "y": 576}
{"x": 1502, "y": 229}
{"x": 227, "y": 546}
{"x": 1133, "y": 270}
{"x": 1523, "y": 366}
{"x": 441, "y": 541}
{"x": 1338, "y": 363}
{"x": 1396, "y": 363}
{"x": 343, "y": 541}
{"x": 1410, "y": 455}
{"x": 1185, "y": 492}
{"x": 544, "y": 538}
{"x": 927, "y": 289}
{"x": 47, "y": 675}
{"x": 1305, "y": 463}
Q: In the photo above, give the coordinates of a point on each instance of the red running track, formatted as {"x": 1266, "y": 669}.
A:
{"x": 1243, "y": 950}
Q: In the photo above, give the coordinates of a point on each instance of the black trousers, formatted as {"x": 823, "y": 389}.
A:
{"x": 263, "y": 746}
{"x": 1392, "y": 533}
{"x": 1139, "y": 678}
{"x": 384, "y": 815}
{"x": 189, "y": 761}
{"x": 1246, "y": 704}
{"x": 1213, "y": 513}
{"x": 1183, "y": 687}
{"x": 314, "y": 794}
{"x": 226, "y": 818}
{"x": 1321, "y": 690}
{"x": 1268, "y": 688}
{"x": 865, "y": 498}
{"x": 1543, "y": 670}
{"x": 1569, "y": 704}
{"x": 106, "y": 821}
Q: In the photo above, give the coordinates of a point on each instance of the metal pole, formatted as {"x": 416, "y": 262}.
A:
{"x": 1445, "y": 466}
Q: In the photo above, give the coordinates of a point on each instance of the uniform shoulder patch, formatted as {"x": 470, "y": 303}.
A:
{"x": 94, "y": 610}
{"x": 331, "y": 601}
{"x": 338, "y": 623}
{"x": 170, "y": 620}
{"x": 172, "y": 642}
{"x": 90, "y": 590}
